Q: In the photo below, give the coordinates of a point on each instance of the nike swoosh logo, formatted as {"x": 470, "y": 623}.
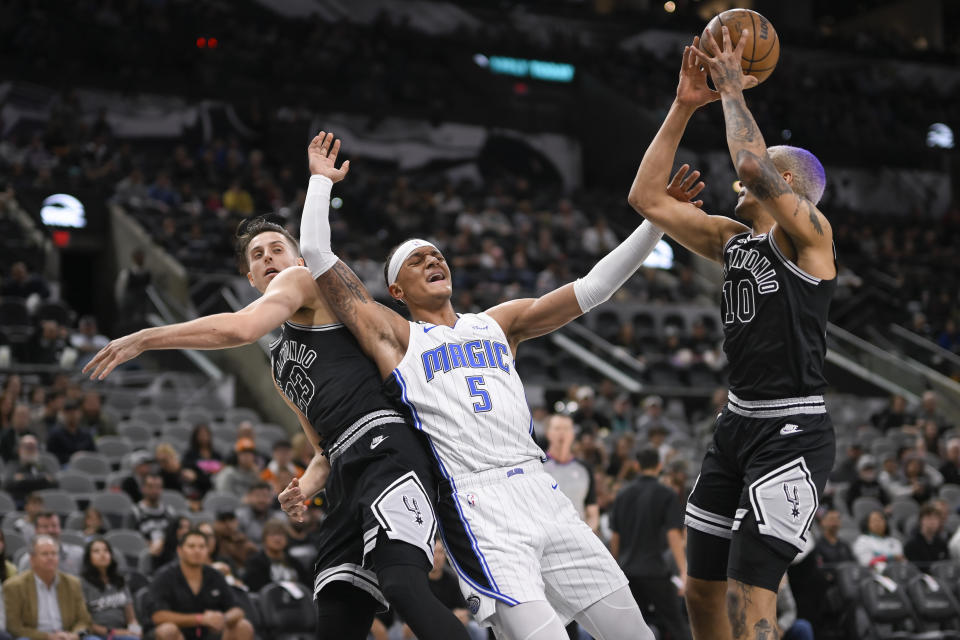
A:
{"x": 376, "y": 442}
{"x": 554, "y": 485}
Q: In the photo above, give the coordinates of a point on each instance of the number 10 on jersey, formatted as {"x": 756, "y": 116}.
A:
{"x": 475, "y": 387}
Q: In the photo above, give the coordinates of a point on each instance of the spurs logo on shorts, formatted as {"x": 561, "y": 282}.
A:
{"x": 788, "y": 519}
{"x": 411, "y": 505}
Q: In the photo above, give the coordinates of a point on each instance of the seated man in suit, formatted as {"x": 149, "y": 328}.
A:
{"x": 44, "y": 603}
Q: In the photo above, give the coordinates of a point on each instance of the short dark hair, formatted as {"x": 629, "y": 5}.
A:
{"x": 47, "y": 514}
{"x": 649, "y": 458}
{"x": 250, "y": 229}
{"x": 929, "y": 509}
{"x": 191, "y": 532}
{"x": 256, "y": 486}
{"x": 282, "y": 444}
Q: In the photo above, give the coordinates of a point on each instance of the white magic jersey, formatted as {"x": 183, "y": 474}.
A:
{"x": 462, "y": 389}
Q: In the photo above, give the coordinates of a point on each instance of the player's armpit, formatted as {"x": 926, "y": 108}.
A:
{"x": 528, "y": 318}
{"x": 382, "y": 333}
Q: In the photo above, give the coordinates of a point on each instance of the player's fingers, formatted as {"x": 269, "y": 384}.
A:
{"x": 689, "y": 180}
{"x": 111, "y": 365}
{"x": 677, "y": 178}
{"x": 750, "y": 82}
{"x": 334, "y": 150}
{"x": 697, "y": 203}
{"x": 742, "y": 43}
{"x": 702, "y": 56}
{"x": 727, "y": 46}
{"x": 327, "y": 142}
{"x": 697, "y": 188}
{"x": 345, "y": 167}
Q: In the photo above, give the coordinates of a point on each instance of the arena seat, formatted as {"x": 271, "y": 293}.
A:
{"x": 150, "y": 416}
{"x": 114, "y": 448}
{"x": 194, "y": 415}
{"x": 114, "y": 506}
{"x": 236, "y": 415}
{"x": 14, "y": 541}
{"x": 6, "y": 503}
{"x": 175, "y": 499}
{"x": 216, "y": 501}
{"x": 58, "y": 501}
{"x": 143, "y": 608}
{"x": 286, "y": 617}
{"x": 76, "y": 482}
{"x": 127, "y": 542}
{"x": 136, "y": 433}
{"x": 949, "y": 572}
{"x": 889, "y": 612}
{"x": 863, "y": 506}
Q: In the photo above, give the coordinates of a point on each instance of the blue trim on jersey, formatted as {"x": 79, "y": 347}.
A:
{"x": 531, "y": 425}
{"x": 496, "y": 595}
{"x": 473, "y": 538}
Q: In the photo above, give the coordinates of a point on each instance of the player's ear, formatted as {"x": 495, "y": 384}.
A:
{"x": 250, "y": 279}
{"x": 301, "y": 262}
{"x": 396, "y": 292}
{"x": 788, "y": 176}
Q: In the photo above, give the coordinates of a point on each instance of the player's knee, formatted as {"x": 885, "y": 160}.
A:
{"x": 402, "y": 585}
{"x": 168, "y": 631}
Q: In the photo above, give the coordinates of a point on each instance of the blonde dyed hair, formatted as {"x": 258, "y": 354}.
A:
{"x": 809, "y": 178}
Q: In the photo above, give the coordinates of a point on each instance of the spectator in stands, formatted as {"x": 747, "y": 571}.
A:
{"x": 23, "y": 284}
{"x": 7, "y": 568}
{"x": 653, "y": 415}
{"x": 846, "y": 470}
{"x": 47, "y": 344}
{"x": 829, "y": 547}
{"x": 3, "y": 617}
{"x": 50, "y": 418}
{"x": 233, "y": 547}
{"x": 93, "y": 523}
{"x": 237, "y": 479}
{"x": 573, "y": 476}
{"x": 893, "y": 416}
{"x": 273, "y": 563}
{"x": 26, "y": 525}
{"x": 927, "y": 544}
{"x": 176, "y": 477}
{"x": 875, "y": 547}
{"x": 303, "y": 451}
{"x": 150, "y": 516}
{"x": 65, "y": 440}
{"x": 918, "y": 480}
{"x": 27, "y": 473}
{"x": 949, "y": 337}
{"x": 282, "y": 460}
{"x": 646, "y": 520}
{"x": 657, "y": 439}
{"x": 622, "y": 417}
{"x": 200, "y": 455}
{"x": 623, "y": 459}
{"x": 175, "y": 530}
{"x": 587, "y": 418}
{"x": 950, "y": 469}
{"x": 193, "y": 600}
{"x": 791, "y": 627}
{"x": 71, "y": 555}
{"x": 130, "y": 291}
{"x": 866, "y": 484}
{"x": 930, "y": 410}
{"x": 258, "y": 509}
{"x": 86, "y": 340}
{"x": 105, "y": 591}
{"x": 93, "y": 418}
{"x": 598, "y": 239}
{"x": 162, "y": 193}
{"x": 10, "y": 436}
{"x": 236, "y": 199}
{"x": 677, "y": 477}
{"x": 44, "y": 602}
{"x": 141, "y": 463}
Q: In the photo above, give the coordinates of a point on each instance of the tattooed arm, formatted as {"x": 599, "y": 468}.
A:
{"x": 383, "y": 334}
{"x": 797, "y": 218}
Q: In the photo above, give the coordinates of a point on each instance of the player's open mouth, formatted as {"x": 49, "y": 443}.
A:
{"x": 270, "y": 271}
{"x": 436, "y": 277}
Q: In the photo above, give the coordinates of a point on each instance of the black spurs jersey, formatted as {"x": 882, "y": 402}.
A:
{"x": 774, "y": 321}
{"x": 322, "y": 370}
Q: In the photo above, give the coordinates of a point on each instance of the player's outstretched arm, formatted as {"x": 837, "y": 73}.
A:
{"x": 795, "y": 215}
{"x": 290, "y": 290}
{"x": 680, "y": 217}
{"x": 314, "y": 477}
{"x": 531, "y": 317}
{"x": 382, "y": 333}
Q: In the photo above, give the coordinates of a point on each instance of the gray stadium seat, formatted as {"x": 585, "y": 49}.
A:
{"x": 6, "y": 503}
{"x": 268, "y": 434}
{"x": 215, "y": 502}
{"x": 152, "y": 417}
{"x": 50, "y": 462}
{"x": 195, "y": 415}
{"x": 74, "y": 521}
{"x": 950, "y": 493}
{"x": 58, "y": 501}
{"x": 14, "y": 541}
{"x": 175, "y": 499}
{"x": 73, "y": 536}
{"x": 863, "y": 506}
{"x": 91, "y": 463}
{"x": 176, "y": 434}
{"x": 113, "y": 505}
{"x": 77, "y": 482}
{"x": 138, "y": 434}
{"x": 127, "y": 542}
{"x": 114, "y": 448}
{"x": 236, "y": 415}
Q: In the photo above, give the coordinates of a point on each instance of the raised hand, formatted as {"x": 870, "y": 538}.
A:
{"x": 322, "y": 155}
{"x": 724, "y": 66}
{"x": 291, "y": 501}
{"x": 693, "y": 90}
{"x": 115, "y": 353}
{"x": 684, "y": 187}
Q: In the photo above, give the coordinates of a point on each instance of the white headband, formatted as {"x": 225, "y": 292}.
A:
{"x": 402, "y": 253}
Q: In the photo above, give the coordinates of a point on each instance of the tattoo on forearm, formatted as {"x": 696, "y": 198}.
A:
{"x": 740, "y": 124}
{"x": 814, "y": 217}
{"x": 343, "y": 291}
{"x": 768, "y": 183}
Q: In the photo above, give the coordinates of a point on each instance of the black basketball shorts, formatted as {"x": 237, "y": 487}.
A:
{"x": 381, "y": 487}
{"x": 752, "y": 506}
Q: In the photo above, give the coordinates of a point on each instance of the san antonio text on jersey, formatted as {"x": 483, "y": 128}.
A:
{"x": 774, "y": 321}
{"x": 322, "y": 370}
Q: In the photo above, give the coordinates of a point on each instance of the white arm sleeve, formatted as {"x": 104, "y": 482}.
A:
{"x": 612, "y": 271}
{"x": 315, "y": 227}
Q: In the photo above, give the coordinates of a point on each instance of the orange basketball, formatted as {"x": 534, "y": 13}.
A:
{"x": 762, "y": 50}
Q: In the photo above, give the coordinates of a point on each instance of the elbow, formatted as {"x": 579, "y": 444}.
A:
{"x": 637, "y": 200}
{"x": 242, "y": 332}
{"x": 748, "y": 168}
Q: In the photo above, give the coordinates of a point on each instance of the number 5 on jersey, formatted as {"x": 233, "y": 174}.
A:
{"x": 474, "y": 385}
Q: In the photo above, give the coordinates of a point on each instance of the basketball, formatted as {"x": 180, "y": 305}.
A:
{"x": 762, "y": 50}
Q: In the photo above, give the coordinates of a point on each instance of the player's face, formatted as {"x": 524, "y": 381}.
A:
{"x": 268, "y": 254}
{"x": 425, "y": 276}
{"x": 745, "y": 203}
